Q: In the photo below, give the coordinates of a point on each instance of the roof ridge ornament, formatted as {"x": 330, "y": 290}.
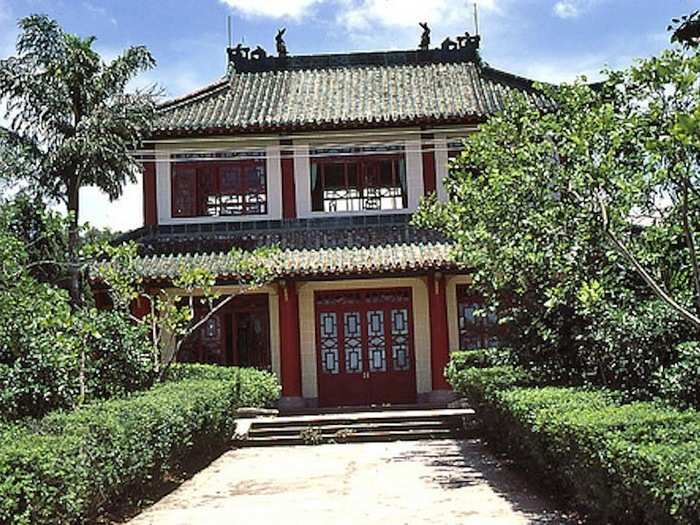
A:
{"x": 425, "y": 37}
{"x": 280, "y": 43}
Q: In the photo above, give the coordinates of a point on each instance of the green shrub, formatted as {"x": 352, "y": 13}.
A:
{"x": 254, "y": 385}
{"x": 119, "y": 357}
{"x": 41, "y": 342}
{"x": 621, "y": 463}
{"x": 482, "y": 358}
{"x": 475, "y": 382}
{"x": 69, "y": 467}
{"x": 680, "y": 381}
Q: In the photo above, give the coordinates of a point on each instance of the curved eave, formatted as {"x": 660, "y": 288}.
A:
{"x": 316, "y": 126}
{"x": 164, "y": 281}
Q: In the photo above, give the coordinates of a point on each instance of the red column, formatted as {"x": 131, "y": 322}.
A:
{"x": 140, "y": 307}
{"x": 290, "y": 357}
{"x": 150, "y": 206}
{"x": 289, "y": 205}
{"x": 429, "y": 176}
{"x": 439, "y": 342}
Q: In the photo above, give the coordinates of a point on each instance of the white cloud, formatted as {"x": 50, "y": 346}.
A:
{"x": 100, "y": 12}
{"x": 558, "y": 71}
{"x": 362, "y": 14}
{"x": 273, "y": 8}
{"x": 358, "y": 14}
{"x": 572, "y": 8}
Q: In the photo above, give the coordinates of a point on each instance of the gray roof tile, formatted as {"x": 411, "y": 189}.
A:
{"x": 344, "y": 96}
{"x": 311, "y": 263}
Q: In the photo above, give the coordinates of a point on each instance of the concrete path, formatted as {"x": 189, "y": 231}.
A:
{"x": 445, "y": 482}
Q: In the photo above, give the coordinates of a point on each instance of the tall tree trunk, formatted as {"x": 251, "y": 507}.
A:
{"x": 75, "y": 289}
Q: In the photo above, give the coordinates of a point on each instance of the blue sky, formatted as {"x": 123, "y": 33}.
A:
{"x": 551, "y": 40}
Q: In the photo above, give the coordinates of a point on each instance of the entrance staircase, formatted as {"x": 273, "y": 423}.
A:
{"x": 348, "y": 427}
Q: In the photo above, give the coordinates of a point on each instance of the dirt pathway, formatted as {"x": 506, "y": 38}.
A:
{"x": 422, "y": 482}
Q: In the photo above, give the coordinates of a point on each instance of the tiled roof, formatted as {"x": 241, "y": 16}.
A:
{"x": 290, "y": 234}
{"x": 339, "y": 93}
{"x": 313, "y": 263}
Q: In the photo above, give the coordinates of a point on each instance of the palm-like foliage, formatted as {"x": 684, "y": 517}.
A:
{"x": 73, "y": 122}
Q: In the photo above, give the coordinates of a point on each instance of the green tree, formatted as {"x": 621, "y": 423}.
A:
{"x": 50, "y": 356}
{"x": 592, "y": 201}
{"x": 175, "y": 316}
{"x": 73, "y": 122}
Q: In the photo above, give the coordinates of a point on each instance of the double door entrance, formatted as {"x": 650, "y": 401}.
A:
{"x": 365, "y": 347}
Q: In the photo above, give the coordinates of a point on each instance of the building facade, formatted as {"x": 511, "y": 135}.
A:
{"x": 326, "y": 156}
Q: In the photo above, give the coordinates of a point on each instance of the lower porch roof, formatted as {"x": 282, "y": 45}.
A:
{"x": 312, "y": 263}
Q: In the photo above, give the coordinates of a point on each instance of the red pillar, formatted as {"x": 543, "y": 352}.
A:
{"x": 289, "y": 205}
{"x": 150, "y": 206}
{"x": 439, "y": 342}
{"x": 290, "y": 357}
{"x": 140, "y": 307}
{"x": 429, "y": 175}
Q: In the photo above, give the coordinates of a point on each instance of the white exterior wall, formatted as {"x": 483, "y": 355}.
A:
{"x": 441, "y": 165}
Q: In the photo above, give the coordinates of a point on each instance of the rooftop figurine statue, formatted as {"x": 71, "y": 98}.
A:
{"x": 281, "y": 46}
{"x": 425, "y": 37}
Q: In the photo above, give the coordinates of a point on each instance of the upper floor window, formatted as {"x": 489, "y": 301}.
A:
{"x": 364, "y": 182}
{"x": 219, "y": 188}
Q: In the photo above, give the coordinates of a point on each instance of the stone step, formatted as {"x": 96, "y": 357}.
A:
{"x": 358, "y": 426}
{"x": 388, "y": 425}
{"x": 355, "y": 437}
{"x": 351, "y": 418}
{"x": 361, "y": 408}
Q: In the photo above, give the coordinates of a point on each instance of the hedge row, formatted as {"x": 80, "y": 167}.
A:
{"x": 621, "y": 463}
{"x": 68, "y": 467}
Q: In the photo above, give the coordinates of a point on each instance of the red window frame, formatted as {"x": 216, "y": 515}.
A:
{"x": 481, "y": 332}
{"x": 194, "y": 183}
{"x": 367, "y": 166}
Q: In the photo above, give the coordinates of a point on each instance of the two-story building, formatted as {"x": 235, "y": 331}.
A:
{"x": 326, "y": 156}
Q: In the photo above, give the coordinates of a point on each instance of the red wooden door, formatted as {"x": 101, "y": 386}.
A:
{"x": 365, "y": 347}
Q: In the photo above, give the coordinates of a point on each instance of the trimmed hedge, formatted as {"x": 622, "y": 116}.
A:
{"x": 69, "y": 467}
{"x": 253, "y": 387}
{"x": 621, "y": 463}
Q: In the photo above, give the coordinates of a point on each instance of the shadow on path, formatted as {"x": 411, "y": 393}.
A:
{"x": 465, "y": 463}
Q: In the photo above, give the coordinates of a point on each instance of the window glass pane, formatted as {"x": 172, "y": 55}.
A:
{"x": 220, "y": 189}
{"x": 386, "y": 173}
{"x": 352, "y": 332}
{"x": 352, "y": 175}
{"x": 207, "y": 192}
{"x": 184, "y": 191}
{"x": 242, "y": 189}
{"x": 401, "y": 359}
{"x": 328, "y": 334}
{"x": 230, "y": 179}
{"x": 334, "y": 176}
{"x": 376, "y": 341}
{"x": 255, "y": 178}
{"x": 316, "y": 188}
{"x": 476, "y": 330}
{"x": 362, "y": 183}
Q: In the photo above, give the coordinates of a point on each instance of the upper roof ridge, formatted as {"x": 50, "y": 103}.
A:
{"x": 242, "y": 61}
